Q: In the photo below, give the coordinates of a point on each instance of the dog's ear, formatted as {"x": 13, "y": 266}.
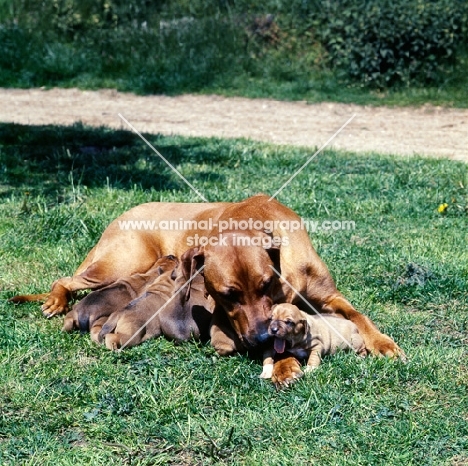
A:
{"x": 191, "y": 261}
{"x": 274, "y": 254}
{"x": 302, "y": 327}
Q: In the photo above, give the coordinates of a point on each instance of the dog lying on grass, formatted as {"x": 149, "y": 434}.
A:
{"x": 308, "y": 336}
{"x": 273, "y": 264}
{"x": 175, "y": 308}
{"x": 91, "y": 313}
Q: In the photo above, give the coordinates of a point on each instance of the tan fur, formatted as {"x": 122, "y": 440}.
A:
{"x": 235, "y": 276}
{"x": 309, "y": 336}
{"x": 92, "y": 312}
{"x": 169, "y": 307}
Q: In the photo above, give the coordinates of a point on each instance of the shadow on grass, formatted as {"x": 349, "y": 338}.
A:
{"x": 49, "y": 159}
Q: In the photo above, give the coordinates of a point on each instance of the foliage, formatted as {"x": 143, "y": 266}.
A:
{"x": 390, "y": 42}
{"x": 298, "y": 49}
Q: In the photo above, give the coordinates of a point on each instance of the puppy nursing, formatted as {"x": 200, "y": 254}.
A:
{"x": 92, "y": 312}
{"x": 169, "y": 307}
{"x": 308, "y": 336}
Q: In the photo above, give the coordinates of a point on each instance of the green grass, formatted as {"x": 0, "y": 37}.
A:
{"x": 67, "y": 401}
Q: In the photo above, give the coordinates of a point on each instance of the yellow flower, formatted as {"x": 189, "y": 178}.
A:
{"x": 442, "y": 209}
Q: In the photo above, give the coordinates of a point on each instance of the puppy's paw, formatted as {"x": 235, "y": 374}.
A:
{"x": 112, "y": 341}
{"x": 68, "y": 324}
{"x": 310, "y": 369}
{"x": 286, "y": 371}
{"x": 267, "y": 371}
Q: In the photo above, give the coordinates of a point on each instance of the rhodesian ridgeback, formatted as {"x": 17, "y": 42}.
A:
{"x": 92, "y": 311}
{"x": 308, "y": 336}
{"x": 174, "y": 305}
{"x": 241, "y": 265}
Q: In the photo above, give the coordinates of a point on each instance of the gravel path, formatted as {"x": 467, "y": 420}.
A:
{"x": 428, "y": 130}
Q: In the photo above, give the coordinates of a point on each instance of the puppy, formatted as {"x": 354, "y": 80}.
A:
{"x": 308, "y": 336}
{"x": 169, "y": 307}
{"x": 92, "y": 312}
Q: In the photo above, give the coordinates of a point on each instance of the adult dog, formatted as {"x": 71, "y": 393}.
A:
{"x": 241, "y": 265}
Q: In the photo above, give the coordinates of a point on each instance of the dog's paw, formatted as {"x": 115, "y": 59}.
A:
{"x": 112, "y": 341}
{"x": 267, "y": 371}
{"x": 54, "y": 306}
{"x": 286, "y": 371}
{"x": 309, "y": 369}
{"x": 383, "y": 345}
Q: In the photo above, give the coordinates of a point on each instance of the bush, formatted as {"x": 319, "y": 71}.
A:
{"x": 388, "y": 42}
{"x": 190, "y": 45}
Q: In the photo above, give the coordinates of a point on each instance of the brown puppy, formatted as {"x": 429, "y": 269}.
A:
{"x": 308, "y": 336}
{"x": 173, "y": 308}
{"x": 92, "y": 312}
{"x": 238, "y": 274}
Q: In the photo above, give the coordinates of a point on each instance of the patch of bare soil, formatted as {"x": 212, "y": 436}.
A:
{"x": 428, "y": 130}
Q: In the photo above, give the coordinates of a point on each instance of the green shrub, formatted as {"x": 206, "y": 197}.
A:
{"x": 299, "y": 46}
{"x": 388, "y": 42}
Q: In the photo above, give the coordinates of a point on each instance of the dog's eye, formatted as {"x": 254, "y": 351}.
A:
{"x": 289, "y": 322}
{"x": 266, "y": 285}
{"x": 230, "y": 294}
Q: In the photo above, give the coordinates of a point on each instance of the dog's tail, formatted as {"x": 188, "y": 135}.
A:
{"x": 27, "y": 298}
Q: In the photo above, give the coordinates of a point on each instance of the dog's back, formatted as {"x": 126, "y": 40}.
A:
{"x": 334, "y": 333}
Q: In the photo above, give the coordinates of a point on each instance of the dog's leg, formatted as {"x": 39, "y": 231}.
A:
{"x": 314, "y": 360}
{"x": 286, "y": 370}
{"x": 104, "y": 264}
{"x": 268, "y": 363}
{"x": 112, "y": 341}
{"x": 70, "y": 322}
{"x": 358, "y": 344}
{"x": 127, "y": 333}
{"x": 223, "y": 338}
{"x": 376, "y": 342}
{"x": 96, "y": 328}
{"x": 62, "y": 290}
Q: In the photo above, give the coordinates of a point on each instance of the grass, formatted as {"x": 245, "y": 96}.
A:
{"x": 65, "y": 400}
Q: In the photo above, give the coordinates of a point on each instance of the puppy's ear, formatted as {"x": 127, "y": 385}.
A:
{"x": 191, "y": 261}
{"x": 302, "y": 327}
{"x": 274, "y": 254}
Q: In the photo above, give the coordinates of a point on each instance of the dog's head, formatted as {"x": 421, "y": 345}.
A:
{"x": 287, "y": 326}
{"x": 240, "y": 278}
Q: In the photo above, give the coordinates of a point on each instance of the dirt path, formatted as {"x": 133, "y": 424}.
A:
{"x": 428, "y": 130}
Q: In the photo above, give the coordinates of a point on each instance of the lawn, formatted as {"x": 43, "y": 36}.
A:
{"x": 66, "y": 401}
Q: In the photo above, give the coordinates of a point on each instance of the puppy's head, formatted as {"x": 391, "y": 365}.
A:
{"x": 166, "y": 264}
{"x": 287, "y": 326}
